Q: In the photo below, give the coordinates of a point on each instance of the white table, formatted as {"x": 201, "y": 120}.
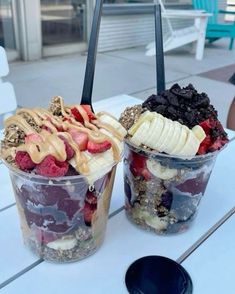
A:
{"x": 103, "y": 272}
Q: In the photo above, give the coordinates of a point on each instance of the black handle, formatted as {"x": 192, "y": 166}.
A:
{"x": 91, "y": 55}
{"x": 160, "y": 67}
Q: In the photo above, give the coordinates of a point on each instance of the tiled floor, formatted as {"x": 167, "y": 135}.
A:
{"x": 125, "y": 71}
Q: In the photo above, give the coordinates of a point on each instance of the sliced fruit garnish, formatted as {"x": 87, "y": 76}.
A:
{"x": 24, "y": 161}
{"x": 93, "y": 147}
{"x": 77, "y": 114}
{"x": 89, "y": 112}
{"x": 204, "y": 145}
{"x": 79, "y": 138}
{"x": 91, "y": 198}
{"x": 138, "y": 166}
{"x": 32, "y": 138}
{"x": 88, "y": 212}
{"x": 205, "y": 125}
{"x": 69, "y": 150}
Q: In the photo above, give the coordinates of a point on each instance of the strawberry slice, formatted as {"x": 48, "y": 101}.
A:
{"x": 91, "y": 198}
{"x": 205, "y": 144}
{"x": 138, "y": 166}
{"x": 88, "y": 212}
{"x": 93, "y": 147}
{"x": 34, "y": 137}
{"x": 77, "y": 114}
{"x": 79, "y": 138}
{"x": 89, "y": 112}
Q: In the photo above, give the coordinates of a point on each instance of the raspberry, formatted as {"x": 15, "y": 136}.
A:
{"x": 24, "y": 161}
{"x": 50, "y": 167}
{"x": 69, "y": 150}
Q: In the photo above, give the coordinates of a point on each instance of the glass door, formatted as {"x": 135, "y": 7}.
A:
{"x": 7, "y": 28}
{"x": 63, "y": 22}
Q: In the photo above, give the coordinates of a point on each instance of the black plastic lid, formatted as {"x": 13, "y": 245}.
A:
{"x": 157, "y": 275}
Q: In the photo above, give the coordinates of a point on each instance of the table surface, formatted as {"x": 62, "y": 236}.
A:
{"x": 206, "y": 250}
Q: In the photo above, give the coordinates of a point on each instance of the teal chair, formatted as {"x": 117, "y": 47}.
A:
{"x": 215, "y": 30}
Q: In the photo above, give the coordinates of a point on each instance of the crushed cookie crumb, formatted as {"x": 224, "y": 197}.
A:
{"x": 130, "y": 116}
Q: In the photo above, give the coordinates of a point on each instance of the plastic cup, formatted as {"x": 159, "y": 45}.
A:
{"x": 62, "y": 219}
{"x": 163, "y": 192}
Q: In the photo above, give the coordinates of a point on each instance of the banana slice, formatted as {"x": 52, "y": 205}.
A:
{"x": 191, "y": 146}
{"x": 114, "y": 123}
{"x": 173, "y": 140}
{"x": 181, "y": 140}
{"x": 155, "y": 222}
{"x": 160, "y": 171}
{"x": 146, "y": 116}
{"x": 155, "y": 130}
{"x": 199, "y": 133}
{"x": 162, "y": 147}
{"x": 119, "y": 144}
{"x": 161, "y": 139}
{"x": 98, "y": 165}
{"x": 141, "y": 134}
{"x": 63, "y": 244}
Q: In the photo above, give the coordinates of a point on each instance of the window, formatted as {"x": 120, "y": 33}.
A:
{"x": 63, "y": 21}
{"x": 7, "y": 35}
{"x": 146, "y": 1}
{"x": 127, "y": 1}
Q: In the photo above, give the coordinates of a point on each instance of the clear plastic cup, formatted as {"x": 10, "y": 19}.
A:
{"x": 62, "y": 219}
{"x": 163, "y": 192}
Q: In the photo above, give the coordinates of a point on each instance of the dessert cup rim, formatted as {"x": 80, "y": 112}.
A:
{"x": 153, "y": 153}
{"x": 63, "y": 179}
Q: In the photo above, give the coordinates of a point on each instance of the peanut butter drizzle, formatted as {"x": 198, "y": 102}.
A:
{"x": 91, "y": 126}
{"x": 31, "y": 113}
{"x": 80, "y": 159}
{"x": 82, "y": 112}
{"x": 62, "y": 106}
{"x": 51, "y": 144}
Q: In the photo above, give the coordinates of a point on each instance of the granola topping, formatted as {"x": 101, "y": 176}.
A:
{"x": 130, "y": 116}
